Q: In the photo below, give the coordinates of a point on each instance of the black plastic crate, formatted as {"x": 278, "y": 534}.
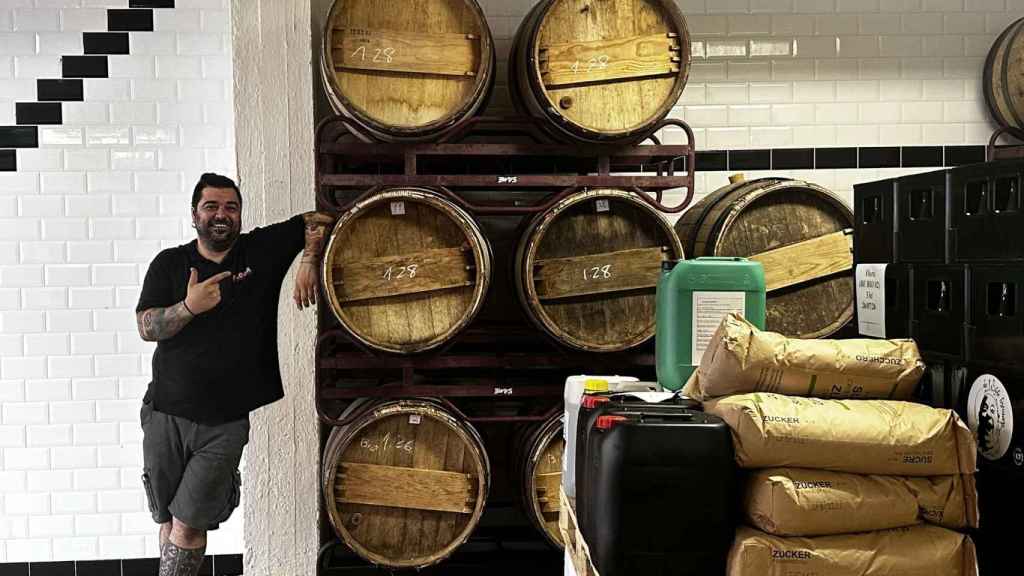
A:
{"x": 921, "y": 218}
{"x": 940, "y": 309}
{"x": 897, "y": 302}
{"x": 874, "y": 226}
{"x": 987, "y": 212}
{"x": 995, "y": 334}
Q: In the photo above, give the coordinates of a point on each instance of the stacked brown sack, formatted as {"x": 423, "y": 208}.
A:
{"x": 845, "y": 476}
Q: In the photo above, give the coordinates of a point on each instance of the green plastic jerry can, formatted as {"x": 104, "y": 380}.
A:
{"x": 693, "y": 296}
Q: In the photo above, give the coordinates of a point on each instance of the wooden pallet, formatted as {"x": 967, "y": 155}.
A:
{"x": 575, "y": 546}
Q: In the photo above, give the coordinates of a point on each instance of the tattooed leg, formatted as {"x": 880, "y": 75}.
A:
{"x": 177, "y": 561}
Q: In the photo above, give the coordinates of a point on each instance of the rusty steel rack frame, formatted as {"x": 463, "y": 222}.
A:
{"x": 995, "y": 151}
{"x": 649, "y": 169}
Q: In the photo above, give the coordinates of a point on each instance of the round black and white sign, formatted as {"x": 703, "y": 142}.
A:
{"x": 990, "y": 416}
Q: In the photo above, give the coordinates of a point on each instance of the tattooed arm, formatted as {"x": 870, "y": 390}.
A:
{"x": 307, "y": 277}
{"x": 163, "y": 323}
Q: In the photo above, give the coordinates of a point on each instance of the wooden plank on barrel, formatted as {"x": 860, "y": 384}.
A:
{"x": 609, "y": 60}
{"x": 807, "y": 260}
{"x": 392, "y": 51}
{"x": 398, "y": 487}
{"x": 548, "y": 485}
{"x": 598, "y": 273}
{"x": 424, "y": 271}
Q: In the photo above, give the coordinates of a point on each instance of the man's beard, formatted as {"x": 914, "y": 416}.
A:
{"x": 219, "y": 235}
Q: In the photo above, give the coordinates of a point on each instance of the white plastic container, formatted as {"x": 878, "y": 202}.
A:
{"x": 574, "y": 386}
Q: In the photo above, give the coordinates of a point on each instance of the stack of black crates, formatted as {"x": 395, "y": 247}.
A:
{"x": 953, "y": 244}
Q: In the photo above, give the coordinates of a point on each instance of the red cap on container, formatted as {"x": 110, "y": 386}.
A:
{"x": 608, "y": 420}
{"x": 591, "y": 401}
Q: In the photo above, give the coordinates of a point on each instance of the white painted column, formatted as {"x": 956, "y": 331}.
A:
{"x": 274, "y": 128}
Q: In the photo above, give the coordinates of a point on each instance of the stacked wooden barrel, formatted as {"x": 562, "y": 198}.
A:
{"x": 1003, "y": 81}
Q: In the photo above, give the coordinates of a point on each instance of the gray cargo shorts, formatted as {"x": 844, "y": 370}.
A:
{"x": 190, "y": 469}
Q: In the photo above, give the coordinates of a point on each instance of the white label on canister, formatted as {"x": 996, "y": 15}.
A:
{"x": 397, "y": 208}
{"x": 602, "y": 205}
{"x": 414, "y": 418}
{"x": 870, "y": 289}
{"x": 709, "y": 307}
{"x": 990, "y": 416}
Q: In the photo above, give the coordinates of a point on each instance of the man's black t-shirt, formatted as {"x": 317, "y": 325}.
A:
{"x": 223, "y": 363}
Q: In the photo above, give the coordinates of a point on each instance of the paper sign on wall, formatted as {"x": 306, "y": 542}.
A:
{"x": 870, "y": 280}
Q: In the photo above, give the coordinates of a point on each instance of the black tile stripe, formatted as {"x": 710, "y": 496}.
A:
{"x": 228, "y": 564}
{"x": 140, "y": 567}
{"x": 97, "y": 567}
{"x": 53, "y": 569}
{"x": 835, "y": 158}
{"x": 151, "y": 4}
{"x": 129, "y": 20}
{"x": 105, "y": 42}
{"x": 879, "y": 157}
{"x": 84, "y": 66}
{"x": 712, "y": 160}
{"x": 14, "y": 569}
{"x": 922, "y": 156}
{"x": 8, "y": 160}
{"x": 959, "y": 155}
{"x": 216, "y": 565}
{"x": 750, "y": 159}
{"x": 37, "y": 113}
{"x": 793, "y": 158}
{"x": 19, "y": 137}
{"x": 66, "y": 90}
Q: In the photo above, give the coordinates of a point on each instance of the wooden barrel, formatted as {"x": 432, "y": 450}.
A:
{"x": 799, "y": 231}
{"x": 407, "y": 71}
{"x": 405, "y": 483}
{"x": 405, "y": 270}
{"x": 539, "y": 456}
{"x": 603, "y": 71}
{"x": 1003, "y": 77}
{"x": 586, "y": 269}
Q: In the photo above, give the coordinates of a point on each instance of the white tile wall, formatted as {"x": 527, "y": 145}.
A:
{"x": 79, "y": 222}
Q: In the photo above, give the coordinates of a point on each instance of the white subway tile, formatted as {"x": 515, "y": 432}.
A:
{"x": 901, "y": 46}
{"x": 178, "y": 20}
{"x": 115, "y": 274}
{"x": 133, "y": 159}
{"x": 89, "y": 252}
{"x": 219, "y": 160}
{"x": 122, "y": 546}
{"x": 122, "y": 501}
{"x": 107, "y": 136}
{"x": 137, "y": 523}
{"x": 13, "y": 390}
{"x": 153, "y": 43}
{"x": 51, "y": 526}
{"x": 879, "y": 69}
{"x": 713, "y": 48}
{"x": 858, "y": 46}
{"x": 64, "y": 229}
{"x": 707, "y": 115}
{"x": 97, "y": 479}
{"x": 124, "y": 66}
{"x": 996, "y": 23}
{"x": 132, "y": 387}
{"x": 727, "y": 93}
{"x": 86, "y": 113}
{"x": 74, "y": 503}
{"x": 750, "y": 115}
{"x": 130, "y": 432}
{"x": 922, "y": 23}
{"x": 9, "y": 250}
{"x": 977, "y": 45}
{"x": 834, "y": 113}
{"x": 725, "y": 6}
{"x": 177, "y": 67}
{"x": 88, "y": 205}
{"x": 128, "y": 296}
{"x": 42, "y": 252}
{"x": 72, "y": 412}
{"x": 22, "y": 322}
{"x": 922, "y": 68}
{"x": 922, "y": 112}
{"x": 814, "y": 6}
{"x": 701, "y": 25}
{"x": 749, "y": 24}
{"x": 133, "y": 112}
{"x": 7, "y": 71}
{"x": 41, "y": 206}
{"x": 814, "y": 91}
{"x": 18, "y": 183}
{"x": 69, "y": 366}
{"x": 50, "y": 435}
{"x": 814, "y": 135}
{"x": 132, "y": 205}
{"x": 96, "y": 434}
{"x": 161, "y": 183}
{"x": 771, "y": 93}
{"x": 35, "y": 159}
{"x": 117, "y": 410}
{"x": 58, "y": 43}
{"x": 769, "y": 48}
{"x": 946, "y": 133}
{"x": 879, "y": 113}
{"x": 69, "y": 320}
{"x": 207, "y": 44}
{"x": 943, "y": 46}
{"x": 901, "y": 135}
{"x": 939, "y": 89}
{"x": 875, "y": 24}
{"x": 962, "y": 67}
{"x": 19, "y": 229}
{"x": 771, "y": 6}
{"x": 83, "y": 20}
{"x": 725, "y": 138}
{"x": 902, "y": 90}
{"x": 176, "y": 159}
{"x": 834, "y": 25}
{"x": 18, "y": 43}
{"x": 85, "y": 159}
{"x": 91, "y": 298}
{"x": 792, "y": 114}
{"x": 43, "y": 345}
{"x": 60, "y": 135}
{"x": 97, "y": 524}
{"x": 67, "y": 275}
{"x": 857, "y": 136}
{"x": 792, "y": 25}
{"x": 857, "y": 5}
{"x": 11, "y": 345}
{"x": 793, "y": 69}
{"x": 118, "y": 364}
{"x": 977, "y": 133}
{"x": 220, "y": 67}
{"x": 106, "y": 89}
{"x": 136, "y": 251}
{"x": 120, "y": 456}
{"x": 108, "y": 182}
{"x": 112, "y": 228}
{"x": 11, "y": 437}
{"x": 36, "y": 19}
{"x": 942, "y": 5}
{"x": 93, "y": 388}
{"x": 985, "y": 5}
{"x": 29, "y": 550}
{"x": 857, "y": 91}
{"x": 708, "y": 72}
{"x": 17, "y": 90}
{"x": 28, "y": 504}
{"x": 75, "y": 548}
{"x": 25, "y": 459}
{"x": 114, "y": 320}
{"x": 71, "y": 458}
{"x": 12, "y": 481}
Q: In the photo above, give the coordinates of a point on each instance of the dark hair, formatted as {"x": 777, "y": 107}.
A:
{"x": 213, "y": 181}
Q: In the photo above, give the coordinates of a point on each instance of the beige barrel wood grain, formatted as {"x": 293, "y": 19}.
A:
{"x": 407, "y": 71}
{"x": 756, "y": 217}
{"x": 600, "y": 71}
{"x": 405, "y": 270}
{"x": 540, "y": 462}
{"x": 1003, "y": 77}
{"x": 405, "y": 483}
{"x": 586, "y": 269}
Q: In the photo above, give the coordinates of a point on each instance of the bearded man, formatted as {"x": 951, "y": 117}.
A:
{"x": 211, "y": 306}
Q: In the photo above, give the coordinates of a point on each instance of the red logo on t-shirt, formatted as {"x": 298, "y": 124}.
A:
{"x": 242, "y": 275}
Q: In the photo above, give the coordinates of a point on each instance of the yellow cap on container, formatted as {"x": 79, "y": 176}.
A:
{"x": 595, "y": 385}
